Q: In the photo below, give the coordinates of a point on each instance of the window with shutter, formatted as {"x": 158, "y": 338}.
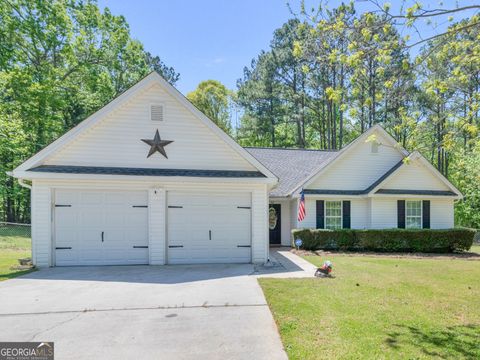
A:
{"x": 413, "y": 213}
{"x": 333, "y": 215}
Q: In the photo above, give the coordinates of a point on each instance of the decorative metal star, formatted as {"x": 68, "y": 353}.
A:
{"x": 157, "y": 144}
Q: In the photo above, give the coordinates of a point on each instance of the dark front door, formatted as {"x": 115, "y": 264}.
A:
{"x": 274, "y": 216}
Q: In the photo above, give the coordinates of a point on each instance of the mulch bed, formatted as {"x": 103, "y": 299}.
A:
{"x": 324, "y": 253}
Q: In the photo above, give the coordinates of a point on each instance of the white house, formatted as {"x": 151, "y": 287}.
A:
{"x": 149, "y": 179}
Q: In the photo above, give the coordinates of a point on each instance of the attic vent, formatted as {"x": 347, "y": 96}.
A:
{"x": 156, "y": 112}
{"x": 374, "y": 147}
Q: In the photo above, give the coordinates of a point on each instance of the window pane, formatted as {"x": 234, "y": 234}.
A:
{"x": 413, "y": 214}
{"x": 333, "y": 215}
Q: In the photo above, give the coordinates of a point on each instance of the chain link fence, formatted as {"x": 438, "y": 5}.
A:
{"x": 15, "y": 236}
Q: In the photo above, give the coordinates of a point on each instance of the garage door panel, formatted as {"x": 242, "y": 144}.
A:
{"x": 139, "y": 217}
{"x": 88, "y": 198}
{"x": 65, "y": 198}
{"x": 93, "y": 212}
{"x": 65, "y": 217}
{"x": 90, "y": 217}
{"x": 200, "y": 214}
{"x": 115, "y": 198}
{"x": 66, "y": 236}
{"x": 67, "y": 256}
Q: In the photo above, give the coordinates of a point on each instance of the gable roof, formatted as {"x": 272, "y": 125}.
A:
{"x": 292, "y": 166}
{"x": 295, "y": 167}
{"x": 37, "y": 159}
{"x": 345, "y": 150}
{"x": 376, "y": 188}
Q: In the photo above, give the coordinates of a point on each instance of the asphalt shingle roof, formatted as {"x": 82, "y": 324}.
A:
{"x": 291, "y": 166}
{"x": 66, "y": 169}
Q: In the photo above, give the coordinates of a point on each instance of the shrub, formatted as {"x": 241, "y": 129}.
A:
{"x": 389, "y": 240}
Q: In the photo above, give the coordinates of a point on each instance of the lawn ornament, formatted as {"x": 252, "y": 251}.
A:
{"x": 325, "y": 270}
{"x": 298, "y": 243}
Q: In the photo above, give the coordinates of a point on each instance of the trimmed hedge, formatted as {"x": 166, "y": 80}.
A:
{"x": 389, "y": 240}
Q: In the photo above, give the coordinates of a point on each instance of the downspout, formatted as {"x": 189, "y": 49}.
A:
{"x": 22, "y": 183}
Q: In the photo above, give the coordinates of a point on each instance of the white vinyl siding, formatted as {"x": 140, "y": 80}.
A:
{"x": 157, "y": 112}
{"x": 384, "y": 213}
{"x": 115, "y": 141}
{"x": 414, "y": 176}
{"x": 413, "y": 214}
{"x": 359, "y": 168}
{"x": 333, "y": 215}
{"x": 441, "y": 214}
{"x": 41, "y": 225}
{"x": 358, "y": 212}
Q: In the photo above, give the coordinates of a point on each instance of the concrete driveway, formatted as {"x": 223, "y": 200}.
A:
{"x": 144, "y": 312}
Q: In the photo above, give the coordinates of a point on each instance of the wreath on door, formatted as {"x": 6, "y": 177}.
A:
{"x": 272, "y": 218}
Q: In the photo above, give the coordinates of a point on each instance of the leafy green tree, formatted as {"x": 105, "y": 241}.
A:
{"x": 466, "y": 175}
{"x": 213, "y": 99}
{"x": 59, "y": 62}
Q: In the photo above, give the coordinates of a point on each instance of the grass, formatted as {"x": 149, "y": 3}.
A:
{"x": 380, "y": 308}
{"x": 15, "y": 243}
{"x": 475, "y": 249}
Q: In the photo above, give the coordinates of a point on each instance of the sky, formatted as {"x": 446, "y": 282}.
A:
{"x": 214, "y": 39}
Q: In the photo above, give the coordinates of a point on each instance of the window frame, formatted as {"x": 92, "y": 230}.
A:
{"x": 413, "y": 216}
{"x": 333, "y": 217}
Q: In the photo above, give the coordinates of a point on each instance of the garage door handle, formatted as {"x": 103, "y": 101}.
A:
{"x": 63, "y": 248}
{"x": 244, "y": 246}
{"x": 140, "y": 247}
{"x": 175, "y": 246}
{"x": 102, "y": 236}
{"x": 209, "y": 234}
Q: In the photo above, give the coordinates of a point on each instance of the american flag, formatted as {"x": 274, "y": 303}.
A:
{"x": 301, "y": 207}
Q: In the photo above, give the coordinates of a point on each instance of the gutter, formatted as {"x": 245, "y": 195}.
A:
{"x": 21, "y": 182}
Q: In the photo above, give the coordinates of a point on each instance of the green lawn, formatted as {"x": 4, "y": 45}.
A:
{"x": 14, "y": 244}
{"x": 475, "y": 249}
{"x": 380, "y": 308}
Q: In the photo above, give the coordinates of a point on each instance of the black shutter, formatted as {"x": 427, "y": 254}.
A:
{"x": 426, "y": 214}
{"x": 401, "y": 214}
{"x": 320, "y": 214}
{"x": 346, "y": 214}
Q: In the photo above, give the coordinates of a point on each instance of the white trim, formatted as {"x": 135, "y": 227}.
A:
{"x": 150, "y": 79}
{"x": 176, "y": 179}
{"x": 346, "y": 150}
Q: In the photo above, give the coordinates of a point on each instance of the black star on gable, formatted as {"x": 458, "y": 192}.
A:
{"x": 157, "y": 144}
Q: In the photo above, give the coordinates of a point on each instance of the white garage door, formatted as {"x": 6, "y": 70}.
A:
{"x": 209, "y": 228}
{"x": 101, "y": 227}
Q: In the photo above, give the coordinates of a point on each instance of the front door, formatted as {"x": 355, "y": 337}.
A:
{"x": 274, "y": 224}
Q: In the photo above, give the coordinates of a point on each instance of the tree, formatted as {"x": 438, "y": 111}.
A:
{"x": 212, "y": 98}
{"x": 59, "y": 62}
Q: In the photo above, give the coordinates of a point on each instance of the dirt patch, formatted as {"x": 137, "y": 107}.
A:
{"x": 324, "y": 253}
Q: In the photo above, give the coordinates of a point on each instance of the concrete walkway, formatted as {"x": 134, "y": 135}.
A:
{"x": 285, "y": 264}
{"x": 148, "y": 312}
